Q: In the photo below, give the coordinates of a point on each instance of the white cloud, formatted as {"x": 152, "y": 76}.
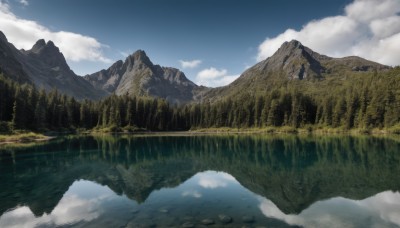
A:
{"x": 190, "y": 64}
{"x": 24, "y": 2}
{"x": 24, "y": 33}
{"x": 211, "y": 73}
{"x": 369, "y": 10}
{"x": 213, "y": 77}
{"x": 368, "y": 28}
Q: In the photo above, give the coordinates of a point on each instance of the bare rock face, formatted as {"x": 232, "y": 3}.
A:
{"x": 138, "y": 76}
{"x": 45, "y": 67}
{"x": 49, "y": 54}
{"x": 107, "y": 79}
{"x": 297, "y": 61}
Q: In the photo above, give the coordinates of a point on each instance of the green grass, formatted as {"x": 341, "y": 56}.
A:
{"x": 394, "y": 130}
{"x": 309, "y": 129}
{"x": 267, "y": 130}
{"x": 114, "y": 129}
{"x": 22, "y": 137}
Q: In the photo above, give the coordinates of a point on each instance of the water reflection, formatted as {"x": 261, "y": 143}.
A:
{"x": 381, "y": 210}
{"x": 81, "y": 203}
{"x": 87, "y": 203}
{"x": 211, "y": 180}
{"x": 278, "y": 181}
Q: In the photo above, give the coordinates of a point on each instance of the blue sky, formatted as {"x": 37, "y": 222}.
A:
{"x": 225, "y": 37}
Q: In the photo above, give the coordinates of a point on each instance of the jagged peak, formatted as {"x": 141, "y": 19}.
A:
{"x": 138, "y": 56}
{"x": 38, "y": 45}
{"x": 292, "y": 47}
{"x": 51, "y": 44}
{"x": 296, "y": 48}
{"x": 140, "y": 53}
{"x": 41, "y": 45}
{"x": 293, "y": 44}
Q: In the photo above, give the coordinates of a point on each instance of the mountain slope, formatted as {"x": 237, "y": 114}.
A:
{"x": 45, "y": 67}
{"x": 9, "y": 62}
{"x": 138, "y": 76}
{"x": 292, "y": 61}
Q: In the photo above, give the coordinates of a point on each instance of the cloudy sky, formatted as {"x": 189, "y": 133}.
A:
{"x": 211, "y": 41}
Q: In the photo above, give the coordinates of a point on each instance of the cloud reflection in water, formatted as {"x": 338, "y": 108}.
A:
{"x": 212, "y": 179}
{"x": 74, "y": 207}
{"x": 381, "y": 210}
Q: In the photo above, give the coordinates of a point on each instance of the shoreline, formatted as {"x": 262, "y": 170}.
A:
{"x": 267, "y": 131}
{"x": 24, "y": 138}
{"x": 30, "y": 137}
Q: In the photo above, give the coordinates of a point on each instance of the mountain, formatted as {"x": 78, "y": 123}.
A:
{"x": 138, "y": 76}
{"x": 293, "y": 61}
{"x": 9, "y": 61}
{"x": 45, "y": 67}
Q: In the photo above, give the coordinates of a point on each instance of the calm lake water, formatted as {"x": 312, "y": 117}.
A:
{"x": 202, "y": 181}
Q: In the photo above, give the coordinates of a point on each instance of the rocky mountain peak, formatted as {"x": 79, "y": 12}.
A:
{"x": 139, "y": 56}
{"x": 39, "y": 45}
{"x": 138, "y": 76}
{"x": 294, "y": 48}
{"x": 292, "y": 45}
{"x": 42, "y": 48}
{"x": 48, "y": 53}
{"x": 296, "y": 60}
{"x": 45, "y": 67}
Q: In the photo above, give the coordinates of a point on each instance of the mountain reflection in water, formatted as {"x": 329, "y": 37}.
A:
{"x": 171, "y": 181}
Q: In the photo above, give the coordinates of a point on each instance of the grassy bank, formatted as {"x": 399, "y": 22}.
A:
{"x": 306, "y": 130}
{"x": 23, "y": 137}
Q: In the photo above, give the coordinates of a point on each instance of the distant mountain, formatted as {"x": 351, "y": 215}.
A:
{"x": 139, "y": 76}
{"x": 293, "y": 61}
{"x": 45, "y": 67}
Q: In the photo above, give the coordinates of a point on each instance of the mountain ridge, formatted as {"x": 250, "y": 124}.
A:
{"x": 292, "y": 61}
{"x": 138, "y": 76}
{"x": 45, "y": 66}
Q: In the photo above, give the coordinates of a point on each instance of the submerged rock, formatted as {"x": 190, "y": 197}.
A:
{"x": 207, "y": 221}
{"x": 225, "y": 219}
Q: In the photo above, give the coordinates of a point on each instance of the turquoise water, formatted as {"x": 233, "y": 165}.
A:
{"x": 202, "y": 181}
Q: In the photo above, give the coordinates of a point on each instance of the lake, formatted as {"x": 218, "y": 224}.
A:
{"x": 202, "y": 181}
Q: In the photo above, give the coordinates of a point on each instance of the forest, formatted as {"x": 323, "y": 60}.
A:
{"x": 359, "y": 100}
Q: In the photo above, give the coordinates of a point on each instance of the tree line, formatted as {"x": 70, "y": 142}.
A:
{"x": 361, "y": 101}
